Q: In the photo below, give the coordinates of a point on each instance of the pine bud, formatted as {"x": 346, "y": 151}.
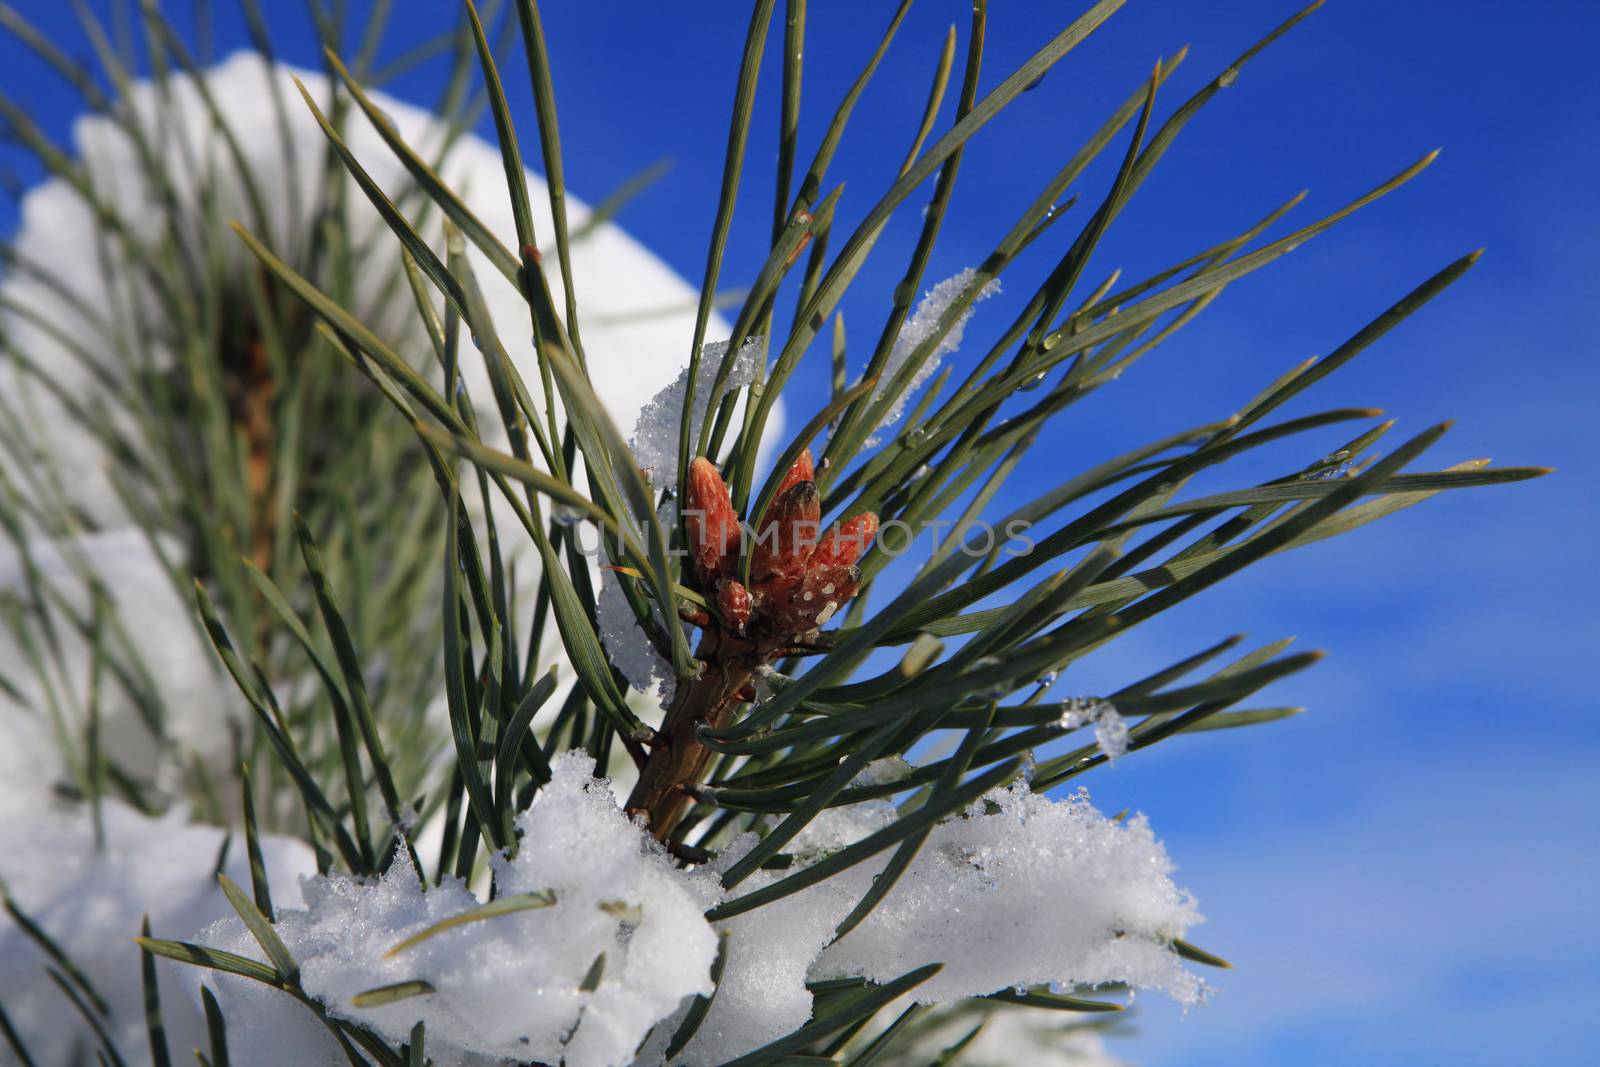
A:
{"x": 847, "y": 543}
{"x": 734, "y": 601}
{"x": 801, "y": 470}
{"x": 787, "y": 537}
{"x": 709, "y": 519}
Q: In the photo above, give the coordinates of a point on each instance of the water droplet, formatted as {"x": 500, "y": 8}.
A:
{"x": 1227, "y": 77}
{"x": 1049, "y": 678}
{"x": 1033, "y": 383}
{"x": 564, "y": 515}
{"x": 1334, "y": 465}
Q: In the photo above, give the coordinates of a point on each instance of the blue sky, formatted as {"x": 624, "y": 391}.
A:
{"x": 1405, "y": 874}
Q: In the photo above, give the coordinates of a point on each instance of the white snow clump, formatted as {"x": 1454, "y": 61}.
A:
{"x": 90, "y": 901}
{"x": 1021, "y": 890}
{"x": 917, "y": 328}
{"x": 520, "y": 985}
{"x": 1018, "y": 891}
{"x": 655, "y": 434}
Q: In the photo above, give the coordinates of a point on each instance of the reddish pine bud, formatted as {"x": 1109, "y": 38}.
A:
{"x": 734, "y": 601}
{"x": 830, "y": 588}
{"x": 801, "y": 470}
{"x": 812, "y": 602}
{"x": 847, "y": 543}
{"x": 709, "y": 519}
{"x": 786, "y": 539}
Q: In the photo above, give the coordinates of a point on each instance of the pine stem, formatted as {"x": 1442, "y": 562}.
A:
{"x": 678, "y": 760}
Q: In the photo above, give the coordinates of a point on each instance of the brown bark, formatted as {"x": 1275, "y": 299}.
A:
{"x": 678, "y": 761}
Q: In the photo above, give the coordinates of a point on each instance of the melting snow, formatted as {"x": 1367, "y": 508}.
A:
{"x": 655, "y": 436}
{"x": 917, "y": 328}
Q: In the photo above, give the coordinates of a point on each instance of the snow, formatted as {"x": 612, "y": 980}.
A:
{"x": 763, "y": 994}
{"x": 1020, "y": 890}
{"x": 30, "y": 760}
{"x": 883, "y": 771}
{"x": 839, "y": 827}
{"x": 656, "y": 431}
{"x": 627, "y": 646}
{"x": 916, "y": 330}
{"x": 90, "y": 902}
{"x": 154, "y": 628}
{"x": 1111, "y": 734}
{"x": 512, "y": 986}
{"x": 1110, "y": 728}
{"x": 267, "y": 1027}
{"x": 638, "y": 316}
{"x": 1038, "y": 891}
